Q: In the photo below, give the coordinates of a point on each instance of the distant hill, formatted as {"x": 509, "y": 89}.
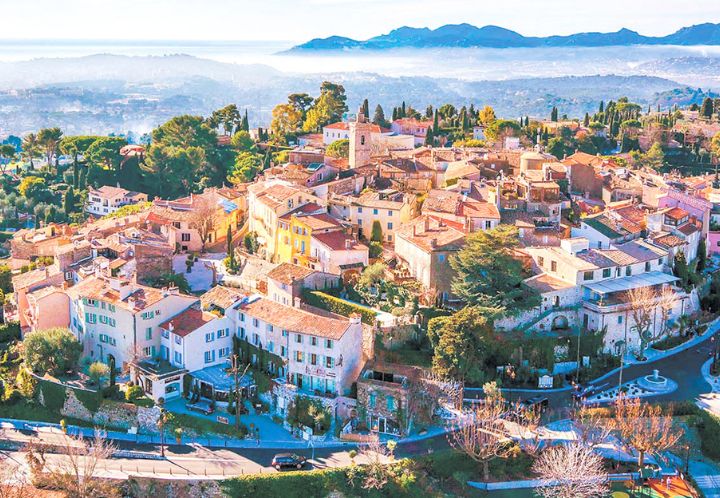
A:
{"x": 467, "y": 35}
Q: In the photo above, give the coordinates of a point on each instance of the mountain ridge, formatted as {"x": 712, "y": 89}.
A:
{"x": 467, "y": 36}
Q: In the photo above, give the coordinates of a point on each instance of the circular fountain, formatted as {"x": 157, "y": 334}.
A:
{"x": 654, "y": 382}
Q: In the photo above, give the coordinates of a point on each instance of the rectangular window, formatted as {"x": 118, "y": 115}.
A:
{"x": 111, "y": 307}
{"x": 441, "y": 258}
{"x": 588, "y": 275}
{"x": 298, "y": 338}
{"x": 185, "y": 237}
{"x": 541, "y": 261}
{"x": 283, "y": 351}
{"x": 328, "y": 343}
{"x": 269, "y": 328}
{"x": 488, "y": 224}
{"x": 90, "y": 318}
{"x": 647, "y": 265}
{"x": 620, "y": 318}
{"x": 209, "y": 356}
{"x": 391, "y": 403}
{"x": 375, "y": 211}
{"x": 313, "y": 359}
{"x": 242, "y": 317}
{"x": 103, "y": 319}
{"x": 313, "y": 340}
{"x": 390, "y": 225}
{"x": 390, "y": 213}
{"x": 359, "y": 210}
{"x": 178, "y": 357}
{"x": 298, "y": 356}
{"x": 165, "y": 333}
{"x": 372, "y": 399}
{"x": 148, "y": 334}
{"x": 241, "y": 332}
{"x": 178, "y": 339}
{"x": 553, "y": 265}
{"x": 149, "y": 351}
{"x": 256, "y": 339}
{"x": 284, "y": 333}
{"x": 210, "y": 337}
{"x": 111, "y": 322}
{"x": 628, "y": 271}
{"x": 255, "y": 322}
{"x": 329, "y": 362}
{"x": 607, "y": 272}
{"x": 223, "y": 352}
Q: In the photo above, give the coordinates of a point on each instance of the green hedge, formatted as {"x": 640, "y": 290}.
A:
{"x": 89, "y": 399}
{"x": 53, "y": 395}
{"x": 709, "y": 429}
{"x": 336, "y": 305}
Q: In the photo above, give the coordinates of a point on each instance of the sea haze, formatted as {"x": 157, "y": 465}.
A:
{"x": 102, "y": 87}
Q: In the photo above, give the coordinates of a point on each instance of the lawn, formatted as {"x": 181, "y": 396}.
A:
{"x": 203, "y": 426}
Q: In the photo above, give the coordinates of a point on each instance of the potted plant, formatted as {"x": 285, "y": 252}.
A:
{"x": 178, "y": 435}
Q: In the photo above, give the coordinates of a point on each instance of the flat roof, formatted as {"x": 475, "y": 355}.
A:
{"x": 632, "y": 282}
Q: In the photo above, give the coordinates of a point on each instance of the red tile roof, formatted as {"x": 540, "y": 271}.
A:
{"x": 187, "y": 321}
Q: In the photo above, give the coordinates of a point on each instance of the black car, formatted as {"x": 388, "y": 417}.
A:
{"x": 536, "y": 403}
{"x": 288, "y": 461}
{"x": 585, "y": 392}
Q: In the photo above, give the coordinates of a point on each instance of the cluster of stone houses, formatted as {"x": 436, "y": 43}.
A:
{"x": 312, "y": 220}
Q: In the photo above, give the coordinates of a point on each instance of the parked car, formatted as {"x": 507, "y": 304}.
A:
{"x": 585, "y": 392}
{"x": 288, "y": 461}
{"x": 536, "y": 403}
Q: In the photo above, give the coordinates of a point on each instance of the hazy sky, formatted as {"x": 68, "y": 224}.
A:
{"x": 304, "y": 19}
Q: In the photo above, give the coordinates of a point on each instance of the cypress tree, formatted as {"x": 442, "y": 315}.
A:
{"x": 366, "y": 108}
{"x": 245, "y": 123}
{"x": 586, "y": 121}
{"x": 395, "y": 114}
{"x": 379, "y": 117}
{"x": 436, "y": 124}
{"x": 230, "y": 251}
{"x": 403, "y": 110}
{"x": 69, "y": 201}
{"x": 429, "y": 138}
{"x": 601, "y": 109}
{"x": 706, "y": 110}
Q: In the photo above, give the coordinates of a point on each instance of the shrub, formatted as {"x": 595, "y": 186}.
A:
{"x": 9, "y": 332}
{"x": 133, "y": 393}
{"x": 375, "y": 250}
{"x": 331, "y": 303}
{"x": 89, "y": 399}
{"x": 53, "y": 351}
{"x": 26, "y": 383}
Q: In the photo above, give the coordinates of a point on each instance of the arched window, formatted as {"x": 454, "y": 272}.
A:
{"x": 362, "y": 139}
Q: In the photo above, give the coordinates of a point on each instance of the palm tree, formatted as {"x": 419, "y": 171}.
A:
{"x": 30, "y": 148}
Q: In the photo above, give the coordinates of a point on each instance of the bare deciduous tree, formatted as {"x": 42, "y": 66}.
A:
{"x": 571, "y": 471}
{"x": 593, "y": 427}
{"x": 645, "y": 427}
{"x": 204, "y": 218}
{"x": 644, "y": 303}
{"x": 428, "y": 391}
{"x": 480, "y": 433}
{"x": 374, "y": 473}
{"x": 13, "y": 482}
{"x": 75, "y": 469}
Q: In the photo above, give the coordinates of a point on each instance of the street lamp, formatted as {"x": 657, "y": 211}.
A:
{"x": 161, "y": 423}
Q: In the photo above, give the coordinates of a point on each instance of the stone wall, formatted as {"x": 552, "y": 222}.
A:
{"x": 112, "y": 413}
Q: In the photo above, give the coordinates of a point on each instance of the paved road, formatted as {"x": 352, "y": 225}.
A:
{"x": 683, "y": 367}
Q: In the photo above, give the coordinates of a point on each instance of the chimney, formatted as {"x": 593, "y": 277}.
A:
{"x": 355, "y": 319}
{"x": 296, "y": 302}
{"x": 433, "y": 242}
{"x": 171, "y": 327}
